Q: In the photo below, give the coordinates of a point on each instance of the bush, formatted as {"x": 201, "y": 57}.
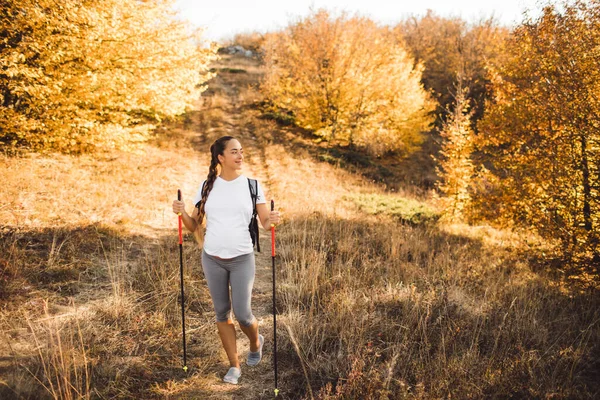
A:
{"x": 348, "y": 80}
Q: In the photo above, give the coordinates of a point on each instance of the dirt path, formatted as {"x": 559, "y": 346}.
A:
{"x": 227, "y": 95}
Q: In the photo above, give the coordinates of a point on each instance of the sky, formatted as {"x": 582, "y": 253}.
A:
{"x": 223, "y": 18}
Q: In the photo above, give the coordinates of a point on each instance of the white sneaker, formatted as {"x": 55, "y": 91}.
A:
{"x": 254, "y": 357}
{"x": 233, "y": 375}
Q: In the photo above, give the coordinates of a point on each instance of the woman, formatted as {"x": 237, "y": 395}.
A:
{"x": 228, "y": 254}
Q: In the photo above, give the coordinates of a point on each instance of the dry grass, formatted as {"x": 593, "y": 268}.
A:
{"x": 383, "y": 310}
{"x": 95, "y": 233}
{"x": 370, "y": 306}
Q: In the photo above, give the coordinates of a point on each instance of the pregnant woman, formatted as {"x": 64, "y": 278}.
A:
{"x": 224, "y": 206}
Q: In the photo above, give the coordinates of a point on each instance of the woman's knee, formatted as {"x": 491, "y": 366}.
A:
{"x": 222, "y": 313}
{"x": 246, "y": 319}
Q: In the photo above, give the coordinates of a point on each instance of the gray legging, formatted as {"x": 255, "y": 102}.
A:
{"x": 237, "y": 271}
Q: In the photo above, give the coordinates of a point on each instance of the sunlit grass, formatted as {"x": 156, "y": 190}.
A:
{"x": 405, "y": 209}
{"x": 382, "y": 310}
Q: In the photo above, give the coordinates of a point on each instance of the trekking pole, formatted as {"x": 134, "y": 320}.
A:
{"x": 274, "y": 311}
{"x": 185, "y": 368}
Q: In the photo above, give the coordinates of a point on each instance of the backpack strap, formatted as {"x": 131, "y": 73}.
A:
{"x": 253, "y": 185}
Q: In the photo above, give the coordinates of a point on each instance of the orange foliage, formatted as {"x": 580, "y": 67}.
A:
{"x": 542, "y": 132}
{"x": 349, "y": 81}
{"x": 90, "y": 75}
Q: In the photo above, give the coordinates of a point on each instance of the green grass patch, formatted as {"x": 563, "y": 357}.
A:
{"x": 407, "y": 210}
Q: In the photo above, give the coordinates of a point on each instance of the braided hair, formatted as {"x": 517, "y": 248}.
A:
{"x": 216, "y": 149}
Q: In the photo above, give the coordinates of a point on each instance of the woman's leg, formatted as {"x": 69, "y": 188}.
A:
{"x": 242, "y": 280}
{"x": 217, "y": 279}
{"x": 227, "y": 335}
{"x": 252, "y": 332}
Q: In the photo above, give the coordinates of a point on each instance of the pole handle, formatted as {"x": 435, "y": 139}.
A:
{"x": 272, "y": 231}
{"x": 179, "y": 218}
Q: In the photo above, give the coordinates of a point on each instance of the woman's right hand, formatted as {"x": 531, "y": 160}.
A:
{"x": 178, "y": 207}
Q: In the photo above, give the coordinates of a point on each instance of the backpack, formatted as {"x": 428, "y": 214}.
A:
{"x": 253, "y": 226}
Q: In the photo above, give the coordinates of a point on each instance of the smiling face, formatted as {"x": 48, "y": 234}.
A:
{"x": 233, "y": 156}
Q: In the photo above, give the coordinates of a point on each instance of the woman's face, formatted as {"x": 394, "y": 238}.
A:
{"x": 233, "y": 156}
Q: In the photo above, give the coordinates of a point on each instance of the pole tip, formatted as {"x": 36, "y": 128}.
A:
{"x": 185, "y": 368}
{"x": 276, "y": 392}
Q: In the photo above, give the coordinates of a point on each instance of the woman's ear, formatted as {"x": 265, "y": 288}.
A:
{"x": 221, "y": 159}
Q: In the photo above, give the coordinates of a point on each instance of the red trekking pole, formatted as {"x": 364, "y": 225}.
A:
{"x": 185, "y": 368}
{"x": 274, "y": 310}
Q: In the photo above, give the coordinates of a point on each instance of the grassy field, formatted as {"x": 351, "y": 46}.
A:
{"x": 376, "y": 298}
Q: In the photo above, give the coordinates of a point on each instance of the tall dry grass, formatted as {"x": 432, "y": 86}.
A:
{"x": 112, "y": 329}
{"x": 65, "y": 372}
{"x": 383, "y": 310}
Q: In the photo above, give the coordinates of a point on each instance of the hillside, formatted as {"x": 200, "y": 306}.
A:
{"x": 375, "y": 299}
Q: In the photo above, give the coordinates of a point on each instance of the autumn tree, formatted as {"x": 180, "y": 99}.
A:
{"x": 450, "y": 47}
{"x": 79, "y": 75}
{"x": 541, "y": 134}
{"x": 349, "y": 81}
{"x": 454, "y": 163}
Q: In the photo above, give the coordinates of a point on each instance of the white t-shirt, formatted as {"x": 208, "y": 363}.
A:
{"x": 228, "y": 213}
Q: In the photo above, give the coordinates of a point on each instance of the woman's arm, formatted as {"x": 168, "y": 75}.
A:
{"x": 267, "y": 217}
{"x": 190, "y": 221}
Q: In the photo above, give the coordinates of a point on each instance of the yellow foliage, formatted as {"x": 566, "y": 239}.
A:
{"x": 75, "y": 72}
{"x": 349, "y": 81}
{"x": 455, "y": 166}
{"x": 541, "y": 131}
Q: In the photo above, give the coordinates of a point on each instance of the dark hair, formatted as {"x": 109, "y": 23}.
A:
{"x": 216, "y": 149}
